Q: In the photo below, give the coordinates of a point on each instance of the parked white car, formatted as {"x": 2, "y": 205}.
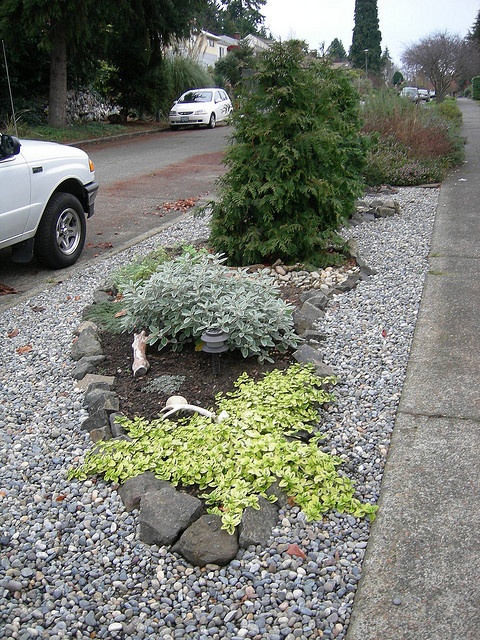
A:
{"x": 200, "y": 107}
{"x": 47, "y": 191}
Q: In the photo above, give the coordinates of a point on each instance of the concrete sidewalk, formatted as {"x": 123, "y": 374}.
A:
{"x": 421, "y": 573}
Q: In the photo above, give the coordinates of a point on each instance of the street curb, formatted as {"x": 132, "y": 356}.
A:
{"x": 120, "y": 136}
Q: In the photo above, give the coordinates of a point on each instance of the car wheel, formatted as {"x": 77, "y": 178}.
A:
{"x": 61, "y": 234}
{"x": 174, "y": 127}
{"x": 212, "y": 122}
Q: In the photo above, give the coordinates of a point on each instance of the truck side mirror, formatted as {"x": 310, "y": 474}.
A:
{"x": 9, "y": 146}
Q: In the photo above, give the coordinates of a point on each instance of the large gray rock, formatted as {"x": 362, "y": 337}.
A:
{"x": 93, "y": 380}
{"x": 86, "y": 343}
{"x": 82, "y": 368}
{"x": 86, "y": 326}
{"x": 165, "y": 514}
{"x": 205, "y": 542}
{"x": 314, "y": 336}
{"x": 385, "y": 212}
{"x": 102, "y": 399}
{"x": 133, "y": 489}
{"x": 276, "y": 490}
{"x": 365, "y": 270}
{"x": 103, "y": 383}
{"x": 86, "y": 364}
{"x": 257, "y": 524}
{"x": 368, "y": 211}
{"x": 348, "y": 284}
{"x": 307, "y": 354}
{"x": 359, "y": 217}
{"x": 316, "y": 298}
{"x": 306, "y": 317}
{"x": 313, "y": 310}
{"x": 100, "y": 296}
{"x": 118, "y": 430}
{"x": 101, "y": 434}
{"x": 96, "y": 420}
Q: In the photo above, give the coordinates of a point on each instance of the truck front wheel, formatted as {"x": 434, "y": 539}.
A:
{"x": 61, "y": 233}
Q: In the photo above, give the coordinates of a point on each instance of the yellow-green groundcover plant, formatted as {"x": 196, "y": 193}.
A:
{"x": 236, "y": 460}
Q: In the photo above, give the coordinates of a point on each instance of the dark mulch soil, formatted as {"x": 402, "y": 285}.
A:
{"x": 195, "y": 376}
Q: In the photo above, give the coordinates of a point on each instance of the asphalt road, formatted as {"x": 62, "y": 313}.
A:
{"x": 140, "y": 179}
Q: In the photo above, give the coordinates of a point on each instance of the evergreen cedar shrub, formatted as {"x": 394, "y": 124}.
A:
{"x": 476, "y": 88}
{"x": 295, "y": 163}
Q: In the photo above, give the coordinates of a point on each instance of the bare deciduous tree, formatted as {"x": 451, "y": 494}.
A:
{"x": 441, "y": 58}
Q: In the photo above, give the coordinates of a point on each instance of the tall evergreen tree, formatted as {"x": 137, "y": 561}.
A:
{"x": 474, "y": 33}
{"x": 135, "y": 48}
{"x": 64, "y": 30}
{"x": 233, "y": 16}
{"x": 336, "y": 51}
{"x": 57, "y": 28}
{"x": 366, "y": 36}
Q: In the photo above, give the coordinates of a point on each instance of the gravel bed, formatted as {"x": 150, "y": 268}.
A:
{"x": 71, "y": 565}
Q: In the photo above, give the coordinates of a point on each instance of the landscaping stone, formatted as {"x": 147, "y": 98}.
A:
{"x": 316, "y": 298}
{"x": 96, "y": 420}
{"x": 205, "y": 542}
{"x": 307, "y": 354}
{"x": 82, "y": 368}
{"x": 165, "y": 514}
{"x": 117, "y": 429}
{"x": 368, "y": 211}
{"x": 304, "y": 321}
{"x": 313, "y": 336}
{"x": 92, "y": 379}
{"x": 365, "y": 270}
{"x": 87, "y": 326}
{"x": 100, "y": 433}
{"x": 311, "y": 310}
{"x": 101, "y": 399}
{"x": 276, "y": 490}
{"x": 98, "y": 383}
{"x": 100, "y": 296}
{"x": 346, "y": 285}
{"x": 85, "y": 365}
{"x": 385, "y": 212}
{"x": 257, "y": 524}
{"x": 361, "y": 217}
{"x": 133, "y": 489}
{"x": 87, "y": 342}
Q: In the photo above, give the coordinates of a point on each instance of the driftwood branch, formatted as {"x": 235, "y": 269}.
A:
{"x": 140, "y": 364}
{"x": 188, "y": 407}
{"x": 175, "y": 404}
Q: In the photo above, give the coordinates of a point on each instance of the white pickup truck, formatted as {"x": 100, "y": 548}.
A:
{"x": 47, "y": 191}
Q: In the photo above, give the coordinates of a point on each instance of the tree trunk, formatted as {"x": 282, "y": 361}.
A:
{"x": 57, "y": 106}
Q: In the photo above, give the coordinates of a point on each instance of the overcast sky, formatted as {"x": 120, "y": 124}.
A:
{"x": 401, "y": 22}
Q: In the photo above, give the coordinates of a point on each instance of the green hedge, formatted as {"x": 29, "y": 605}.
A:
{"x": 476, "y": 88}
